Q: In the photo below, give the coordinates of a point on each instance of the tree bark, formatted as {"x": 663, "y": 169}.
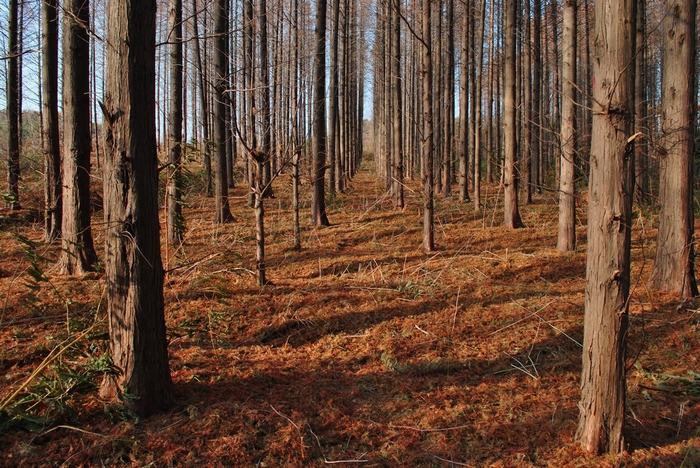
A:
{"x": 13, "y": 107}
{"x": 566, "y": 239}
{"x": 673, "y": 270}
{"x": 318, "y": 202}
{"x": 427, "y": 137}
{"x": 134, "y": 272}
{"x": 398, "y": 170}
{"x": 175, "y": 223}
{"x": 221, "y": 85}
{"x": 512, "y": 213}
{"x": 50, "y": 125}
{"x": 603, "y": 393}
{"x": 78, "y": 254}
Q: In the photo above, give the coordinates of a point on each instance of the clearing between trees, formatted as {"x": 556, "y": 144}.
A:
{"x": 363, "y": 350}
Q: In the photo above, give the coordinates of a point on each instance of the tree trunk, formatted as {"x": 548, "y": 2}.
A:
{"x": 566, "y": 239}
{"x": 134, "y": 272}
{"x": 673, "y": 270}
{"x": 464, "y": 109}
{"x": 265, "y": 103}
{"x": 427, "y": 137}
{"x": 175, "y": 223}
{"x": 512, "y": 214}
{"x": 397, "y": 180}
{"x": 479, "y": 61}
{"x": 641, "y": 103}
{"x": 13, "y": 107}
{"x": 204, "y": 101}
{"x": 602, "y": 405}
{"x": 333, "y": 118}
{"x": 221, "y": 85}
{"x": 318, "y": 202}
{"x": 50, "y": 122}
{"x": 78, "y": 248}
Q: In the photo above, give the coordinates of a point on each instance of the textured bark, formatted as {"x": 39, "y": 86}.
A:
{"x": 334, "y": 115}
{"x": 221, "y": 84}
{"x": 78, "y": 253}
{"x": 641, "y": 187}
{"x": 397, "y": 180}
{"x": 566, "y": 238}
{"x": 479, "y": 56}
{"x": 50, "y": 122}
{"x": 175, "y": 221}
{"x": 603, "y": 392}
{"x": 673, "y": 270}
{"x": 463, "y": 178}
{"x": 134, "y": 272}
{"x": 13, "y": 107}
{"x": 427, "y": 137}
{"x": 203, "y": 99}
{"x": 512, "y": 213}
{"x": 318, "y": 202}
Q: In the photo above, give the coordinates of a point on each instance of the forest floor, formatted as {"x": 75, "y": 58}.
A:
{"x": 364, "y": 350}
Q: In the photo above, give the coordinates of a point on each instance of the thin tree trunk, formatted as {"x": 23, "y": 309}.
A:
{"x": 204, "y": 101}
{"x": 397, "y": 180}
{"x": 50, "y": 122}
{"x": 479, "y": 55}
{"x": 566, "y": 239}
{"x": 611, "y": 189}
{"x": 511, "y": 214}
{"x": 78, "y": 248}
{"x": 318, "y": 202}
{"x": 641, "y": 103}
{"x": 221, "y": 84}
{"x": 175, "y": 223}
{"x": 464, "y": 108}
{"x": 427, "y": 137}
{"x": 13, "y": 107}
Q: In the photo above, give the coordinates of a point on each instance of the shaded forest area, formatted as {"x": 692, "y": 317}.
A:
{"x": 211, "y": 257}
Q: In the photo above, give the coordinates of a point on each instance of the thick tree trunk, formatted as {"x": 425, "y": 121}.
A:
{"x": 510, "y": 179}
{"x": 13, "y": 107}
{"x": 78, "y": 248}
{"x": 602, "y": 405}
{"x": 175, "y": 223}
{"x": 50, "y": 123}
{"x": 673, "y": 270}
{"x": 427, "y": 137}
{"x": 566, "y": 239}
{"x": 318, "y": 202}
{"x": 134, "y": 272}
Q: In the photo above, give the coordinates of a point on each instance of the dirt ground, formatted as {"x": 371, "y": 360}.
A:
{"x": 364, "y": 350}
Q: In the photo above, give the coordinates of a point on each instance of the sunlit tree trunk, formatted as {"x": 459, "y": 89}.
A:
{"x": 397, "y": 150}
{"x": 134, "y": 273}
{"x": 427, "y": 137}
{"x": 318, "y": 202}
{"x": 673, "y": 270}
{"x": 611, "y": 189}
{"x": 512, "y": 214}
{"x": 566, "y": 240}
